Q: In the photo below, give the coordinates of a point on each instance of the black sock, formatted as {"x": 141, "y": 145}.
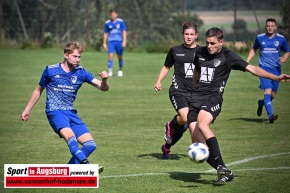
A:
{"x": 215, "y": 157}
{"x": 177, "y": 134}
{"x": 173, "y": 123}
{"x": 211, "y": 161}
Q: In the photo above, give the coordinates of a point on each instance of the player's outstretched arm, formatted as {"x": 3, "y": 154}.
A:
{"x": 162, "y": 74}
{"x": 32, "y": 101}
{"x": 103, "y": 85}
{"x": 257, "y": 71}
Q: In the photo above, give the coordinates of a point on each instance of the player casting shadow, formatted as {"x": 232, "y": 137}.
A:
{"x": 194, "y": 177}
{"x": 257, "y": 120}
{"x": 159, "y": 156}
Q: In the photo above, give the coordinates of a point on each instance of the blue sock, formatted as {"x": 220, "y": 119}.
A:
{"x": 268, "y": 104}
{"x": 88, "y": 148}
{"x": 76, "y": 152}
{"x": 110, "y": 64}
{"x": 120, "y": 64}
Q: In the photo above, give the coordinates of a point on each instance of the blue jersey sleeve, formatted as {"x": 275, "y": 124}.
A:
{"x": 106, "y": 28}
{"x": 256, "y": 44}
{"x": 285, "y": 46}
{"x": 44, "y": 78}
{"x": 88, "y": 77}
{"x": 124, "y": 27}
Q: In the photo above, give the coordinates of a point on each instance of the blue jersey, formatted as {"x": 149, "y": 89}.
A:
{"x": 62, "y": 87}
{"x": 115, "y": 29}
{"x": 270, "y": 49}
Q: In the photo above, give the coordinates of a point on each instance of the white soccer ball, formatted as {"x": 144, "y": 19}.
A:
{"x": 198, "y": 152}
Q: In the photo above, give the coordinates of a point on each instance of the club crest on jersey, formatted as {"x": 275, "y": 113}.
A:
{"x": 216, "y": 62}
{"x": 74, "y": 79}
{"x": 276, "y": 43}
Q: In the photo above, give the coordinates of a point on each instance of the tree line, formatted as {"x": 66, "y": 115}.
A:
{"x": 152, "y": 24}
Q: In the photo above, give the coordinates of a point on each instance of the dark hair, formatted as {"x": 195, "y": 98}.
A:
{"x": 189, "y": 25}
{"x": 70, "y": 47}
{"x": 113, "y": 10}
{"x": 271, "y": 20}
{"x": 215, "y": 32}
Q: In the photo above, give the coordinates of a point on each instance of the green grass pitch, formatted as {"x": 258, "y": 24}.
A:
{"x": 127, "y": 123}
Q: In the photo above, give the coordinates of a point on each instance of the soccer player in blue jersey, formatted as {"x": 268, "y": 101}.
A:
{"x": 271, "y": 44}
{"x": 180, "y": 57}
{"x": 62, "y": 82}
{"x": 116, "y": 35}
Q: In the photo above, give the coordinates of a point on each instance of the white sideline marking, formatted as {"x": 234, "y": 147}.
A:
{"x": 213, "y": 170}
{"x": 250, "y": 159}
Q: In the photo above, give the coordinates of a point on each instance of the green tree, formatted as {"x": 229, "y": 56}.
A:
{"x": 284, "y": 28}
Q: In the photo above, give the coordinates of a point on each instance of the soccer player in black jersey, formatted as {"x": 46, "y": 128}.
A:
{"x": 180, "y": 91}
{"x": 213, "y": 63}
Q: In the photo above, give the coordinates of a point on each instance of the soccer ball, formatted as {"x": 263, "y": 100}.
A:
{"x": 198, "y": 152}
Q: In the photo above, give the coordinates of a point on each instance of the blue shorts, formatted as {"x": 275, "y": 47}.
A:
{"x": 115, "y": 46}
{"x": 60, "y": 119}
{"x": 267, "y": 83}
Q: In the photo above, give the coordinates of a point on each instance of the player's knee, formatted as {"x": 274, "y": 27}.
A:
{"x": 90, "y": 146}
{"x": 202, "y": 126}
{"x": 183, "y": 119}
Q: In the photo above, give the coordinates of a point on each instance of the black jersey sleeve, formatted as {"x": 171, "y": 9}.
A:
{"x": 169, "y": 60}
{"x": 196, "y": 58}
{"x": 235, "y": 62}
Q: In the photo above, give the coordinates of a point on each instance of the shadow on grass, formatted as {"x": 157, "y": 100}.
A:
{"x": 159, "y": 156}
{"x": 194, "y": 177}
{"x": 257, "y": 120}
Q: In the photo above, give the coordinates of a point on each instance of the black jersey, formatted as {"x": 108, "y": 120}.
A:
{"x": 214, "y": 70}
{"x": 182, "y": 59}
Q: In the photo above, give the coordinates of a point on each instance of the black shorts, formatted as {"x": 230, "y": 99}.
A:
{"x": 209, "y": 103}
{"x": 180, "y": 100}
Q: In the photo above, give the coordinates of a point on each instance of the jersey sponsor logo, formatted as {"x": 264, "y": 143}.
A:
{"x": 270, "y": 50}
{"x": 276, "y": 43}
{"x": 206, "y": 74}
{"x": 73, "y": 79}
{"x": 215, "y": 108}
{"x": 188, "y": 70}
{"x": 216, "y": 62}
{"x": 180, "y": 54}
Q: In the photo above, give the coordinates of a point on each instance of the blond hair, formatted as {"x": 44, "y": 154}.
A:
{"x": 70, "y": 47}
